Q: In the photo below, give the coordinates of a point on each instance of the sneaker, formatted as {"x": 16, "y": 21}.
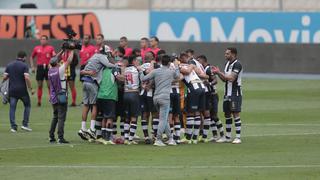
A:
{"x": 147, "y": 140}
{"x": 91, "y": 133}
{"x": 236, "y": 141}
{"x": 52, "y": 140}
{"x": 26, "y": 128}
{"x": 13, "y": 130}
{"x": 83, "y": 135}
{"x": 63, "y": 141}
{"x": 172, "y": 142}
{"x": 159, "y": 143}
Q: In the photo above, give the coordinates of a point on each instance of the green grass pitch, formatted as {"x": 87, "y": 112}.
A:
{"x": 281, "y": 140}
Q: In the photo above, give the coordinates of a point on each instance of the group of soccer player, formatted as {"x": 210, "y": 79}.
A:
{"x": 114, "y": 93}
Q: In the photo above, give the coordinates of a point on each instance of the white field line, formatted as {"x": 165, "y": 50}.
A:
{"x": 244, "y": 124}
{"x": 72, "y": 145}
{"x": 163, "y": 167}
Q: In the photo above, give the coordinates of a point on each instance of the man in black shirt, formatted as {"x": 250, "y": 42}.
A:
{"x": 18, "y": 74}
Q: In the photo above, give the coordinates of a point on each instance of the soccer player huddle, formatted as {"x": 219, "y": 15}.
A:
{"x": 176, "y": 94}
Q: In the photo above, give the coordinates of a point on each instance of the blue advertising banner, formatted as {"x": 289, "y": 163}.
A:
{"x": 243, "y": 27}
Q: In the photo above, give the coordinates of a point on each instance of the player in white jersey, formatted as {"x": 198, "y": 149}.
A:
{"x": 205, "y": 114}
{"x": 195, "y": 99}
{"x": 131, "y": 99}
{"x": 233, "y": 93}
{"x": 146, "y": 97}
{"x": 175, "y": 109}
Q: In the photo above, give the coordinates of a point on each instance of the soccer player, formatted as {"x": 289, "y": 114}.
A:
{"x": 195, "y": 99}
{"x": 163, "y": 78}
{"x": 92, "y": 75}
{"x": 212, "y": 101}
{"x": 144, "y": 47}
{"x": 44, "y": 52}
{"x": 146, "y": 95}
{"x": 233, "y": 94}
{"x": 124, "y": 44}
{"x": 174, "y": 113}
{"x": 107, "y": 97}
{"x": 86, "y": 52}
{"x": 131, "y": 99}
{"x": 154, "y": 43}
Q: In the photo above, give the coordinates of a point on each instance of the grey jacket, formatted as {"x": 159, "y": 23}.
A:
{"x": 163, "y": 78}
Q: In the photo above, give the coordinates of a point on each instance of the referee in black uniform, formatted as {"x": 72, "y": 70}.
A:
{"x": 233, "y": 93}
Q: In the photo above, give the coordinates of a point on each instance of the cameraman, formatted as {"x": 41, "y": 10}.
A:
{"x": 58, "y": 84}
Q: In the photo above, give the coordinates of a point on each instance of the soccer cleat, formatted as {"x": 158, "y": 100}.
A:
{"x": 200, "y": 138}
{"x": 110, "y": 143}
{"x": 39, "y": 104}
{"x": 91, "y": 133}
{"x": 147, "y": 140}
{"x": 184, "y": 140}
{"x": 133, "y": 143}
{"x": 73, "y": 105}
{"x": 214, "y": 139}
{"x": 126, "y": 142}
{"x": 223, "y": 140}
{"x": 159, "y": 143}
{"x": 236, "y": 141}
{"x": 63, "y": 141}
{"x": 52, "y": 140}
{"x": 136, "y": 137}
{"x": 83, "y": 135}
{"x": 26, "y": 128}
{"x": 194, "y": 141}
{"x": 13, "y": 130}
{"x": 178, "y": 141}
{"x": 171, "y": 142}
{"x": 205, "y": 140}
{"x": 101, "y": 141}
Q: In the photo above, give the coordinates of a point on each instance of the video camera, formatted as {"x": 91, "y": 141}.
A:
{"x": 71, "y": 43}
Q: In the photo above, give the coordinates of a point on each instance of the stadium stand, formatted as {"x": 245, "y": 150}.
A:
{"x": 196, "y": 5}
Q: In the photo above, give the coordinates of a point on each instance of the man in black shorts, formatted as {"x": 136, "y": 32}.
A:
{"x": 212, "y": 101}
{"x": 233, "y": 93}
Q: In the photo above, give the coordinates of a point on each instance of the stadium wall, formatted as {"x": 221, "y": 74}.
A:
{"x": 262, "y": 58}
{"x": 277, "y": 42}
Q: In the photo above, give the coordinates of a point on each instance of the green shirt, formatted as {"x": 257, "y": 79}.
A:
{"x": 108, "y": 86}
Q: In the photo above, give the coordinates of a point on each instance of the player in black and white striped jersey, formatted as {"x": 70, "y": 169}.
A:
{"x": 175, "y": 109}
{"x": 212, "y": 100}
{"x": 233, "y": 94}
{"x": 195, "y": 98}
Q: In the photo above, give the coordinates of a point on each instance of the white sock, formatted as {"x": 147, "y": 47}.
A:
{"x": 83, "y": 125}
{"x": 92, "y": 124}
